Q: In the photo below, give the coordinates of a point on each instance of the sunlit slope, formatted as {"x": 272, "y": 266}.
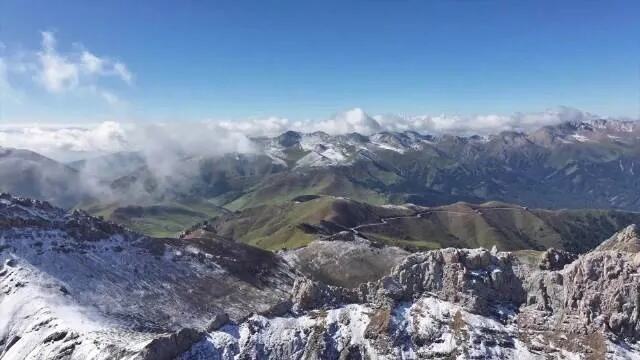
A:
{"x": 295, "y": 223}
{"x": 165, "y": 219}
{"x": 508, "y": 227}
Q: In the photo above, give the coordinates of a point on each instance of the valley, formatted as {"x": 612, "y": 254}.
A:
{"x": 313, "y": 246}
{"x": 200, "y": 180}
{"x": 463, "y": 225}
{"x": 74, "y": 286}
{"x": 579, "y": 165}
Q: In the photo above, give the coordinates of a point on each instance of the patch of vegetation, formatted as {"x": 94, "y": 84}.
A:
{"x": 280, "y": 226}
{"x": 509, "y": 227}
{"x": 162, "y": 220}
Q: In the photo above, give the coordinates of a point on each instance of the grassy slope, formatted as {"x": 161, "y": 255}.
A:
{"x": 276, "y": 226}
{"x": 508, "y": 227}
{"x": 160, "y": 220}
{"x": 274, "y": 190}
{"x": 585, "y": 229}
{"x": 281, "y": 188}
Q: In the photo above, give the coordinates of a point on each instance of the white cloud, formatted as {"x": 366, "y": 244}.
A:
{"x": 62, "y": 142}
{"x": 56, "y": 73}
{"x": 216, "y": 137}
{"x": 482, "y": 124}
{"x": 110, "y": 97}
{"x": 94, "y": 65}
{"x": 160, "y": 141}
{"x": 91, "y": 63}
{"x": 123, "y": 72}
{"x": 78, "y": 71}
{"x": 356, "y": 120}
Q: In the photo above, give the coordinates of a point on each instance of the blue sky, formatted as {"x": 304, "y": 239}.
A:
{"x": 309, "y": 59}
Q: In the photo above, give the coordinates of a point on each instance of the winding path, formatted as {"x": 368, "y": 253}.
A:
{"x": 385, "y": 220}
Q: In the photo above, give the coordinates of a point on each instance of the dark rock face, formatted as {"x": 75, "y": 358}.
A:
{"x": 308, "y": 294}
{"x": 168, "y": 347}
{"x": 554, "y": 259}
{"x": 218, "y": 321}
{"x": 289, "y": 138}
{"x": 18, "y": 212}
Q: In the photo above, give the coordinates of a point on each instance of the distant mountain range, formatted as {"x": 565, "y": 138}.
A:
{"x": 313, "y": 246}
{"x": 580, "y": 164}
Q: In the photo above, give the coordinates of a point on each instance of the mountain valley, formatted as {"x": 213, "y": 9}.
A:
{"x": 74, "y": 286}
{"x": 316, "y": 246}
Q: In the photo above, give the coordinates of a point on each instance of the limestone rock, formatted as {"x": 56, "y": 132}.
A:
{"x": 627, "y": 240}
{"x": 554, "y": 259}
{"x": 170, "y": 346}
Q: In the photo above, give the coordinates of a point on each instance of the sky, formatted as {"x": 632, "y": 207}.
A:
{"x": 76, "y": 62}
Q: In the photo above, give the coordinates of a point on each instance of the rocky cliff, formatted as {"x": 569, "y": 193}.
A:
{"x": 75, "y": 287}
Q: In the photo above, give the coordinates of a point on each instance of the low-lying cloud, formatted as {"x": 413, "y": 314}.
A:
{"x": 356, "y": 120}
{"x": 211, "y": 137}
{"x": 163, "y": 159}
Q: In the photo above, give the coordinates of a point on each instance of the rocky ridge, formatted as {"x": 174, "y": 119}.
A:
{"x": 455, "y": 303}
{"x": 72, "y": 284}
{"x": 75, "y": 287}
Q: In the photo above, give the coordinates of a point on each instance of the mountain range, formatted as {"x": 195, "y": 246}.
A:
{"x": 73, "y": 286}
{"x": 316, "y": 246}
{"x": 590, "y": 163}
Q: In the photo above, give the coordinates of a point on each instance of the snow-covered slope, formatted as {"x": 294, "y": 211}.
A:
{"x": 75, "y": 273}
{"x": 75, "y": 287}
{"x": 451, "y": 304}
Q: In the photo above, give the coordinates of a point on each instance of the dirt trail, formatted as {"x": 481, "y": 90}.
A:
{"x": 385, "y": 220}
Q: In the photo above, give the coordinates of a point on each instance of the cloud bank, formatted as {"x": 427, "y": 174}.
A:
{"x": 211, "y": 137}
{"x": 167, "y": 155}
{"x": 356, "y": 120}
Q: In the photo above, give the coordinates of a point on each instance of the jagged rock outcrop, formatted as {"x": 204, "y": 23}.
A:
{"x": 119, "y": 291}
{"x": 599, "y": 292}
{"x": 72, "y": 286}
{"x": 467, "y": 304}
{"x": 554, "y": 259}
{"x": 308, "y": 294}
{"x": 627, "y": 240}
{"x": 169, "y": 346}
{"x": 475, "y": 279}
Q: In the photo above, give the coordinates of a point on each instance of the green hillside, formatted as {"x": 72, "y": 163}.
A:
{"x": 159, "y": 220}
{"x": 508, "y": 227}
